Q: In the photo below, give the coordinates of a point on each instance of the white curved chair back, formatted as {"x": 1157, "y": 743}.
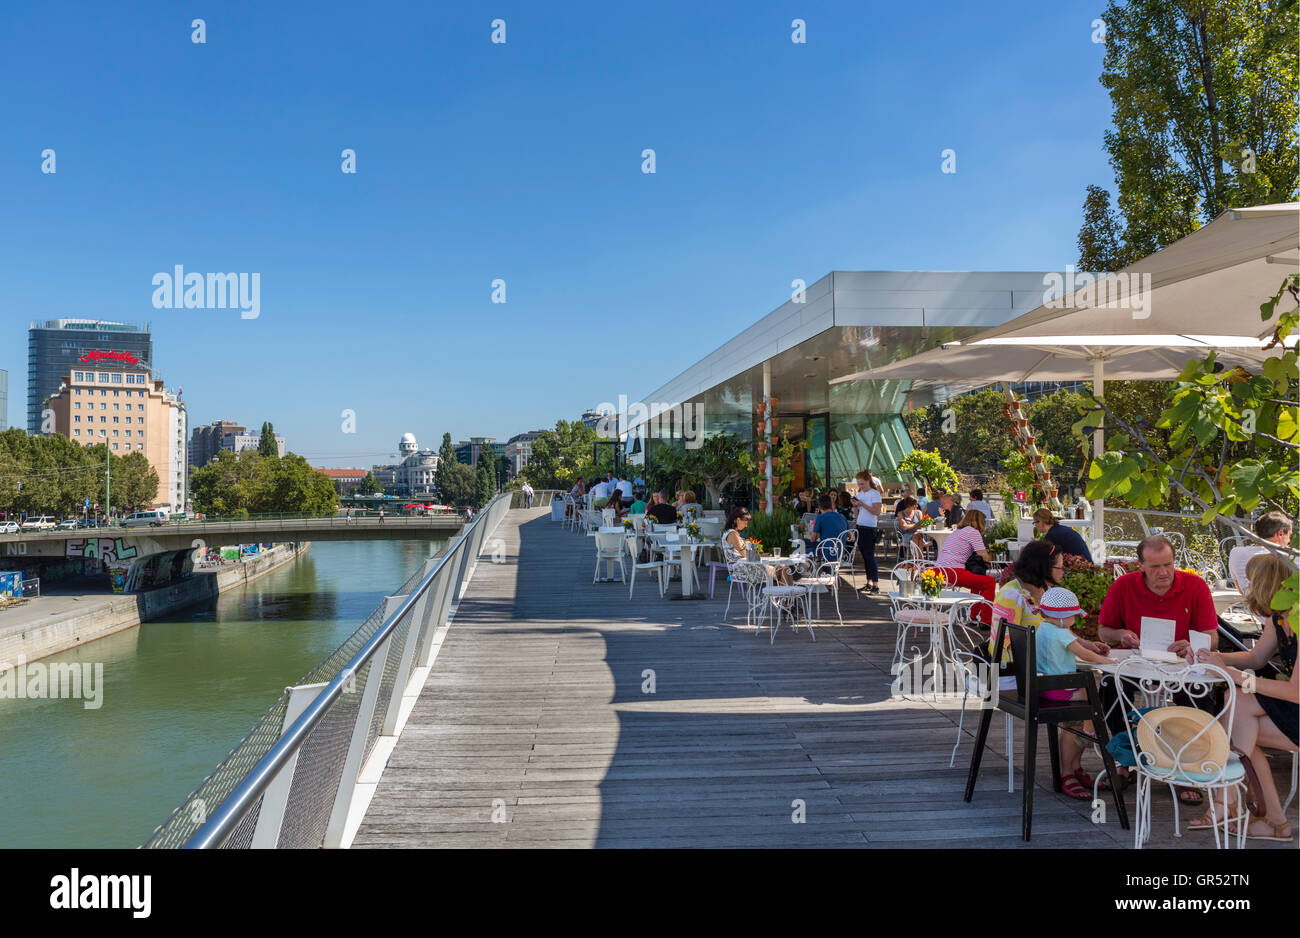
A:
{"x": 1178, "y": 759}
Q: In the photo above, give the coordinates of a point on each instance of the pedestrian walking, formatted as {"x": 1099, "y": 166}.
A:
{"x": 381, "y": 516}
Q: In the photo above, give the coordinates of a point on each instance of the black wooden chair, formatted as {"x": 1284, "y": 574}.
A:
{"x": 1026, "y": 704}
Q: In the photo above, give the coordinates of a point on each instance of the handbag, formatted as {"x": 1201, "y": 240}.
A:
{"x": 977, "y": 565}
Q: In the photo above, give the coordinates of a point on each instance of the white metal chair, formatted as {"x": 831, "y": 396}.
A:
{"x": 1183, "y": 762}
{"x": 849, "y": 559}
{"x": 782, "y": 602}
{"x": 824, "y": 572}
{"x": 752, "y": 579}
{"x": 655, "y": 565}
{"x": 969, "y": 651}
{"x": 609, "y": 547}
{"x": 915, "y": 615}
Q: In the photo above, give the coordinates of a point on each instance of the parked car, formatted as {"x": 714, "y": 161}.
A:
{"x": 40, "y": 523}
{"x": 154, "y": 518}
{"x": 9, "y": 527}
{"x": 67, "y": 524}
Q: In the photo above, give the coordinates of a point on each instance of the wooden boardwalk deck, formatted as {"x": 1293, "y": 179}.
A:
{"x": 535, "y": 713}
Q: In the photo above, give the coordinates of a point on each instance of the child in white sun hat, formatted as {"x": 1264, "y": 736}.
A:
{"x": 1058, "y": 648}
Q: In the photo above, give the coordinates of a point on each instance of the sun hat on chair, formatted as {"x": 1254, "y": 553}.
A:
{"x": 1169, "y": 733}
{"x": 1059, "y": 603}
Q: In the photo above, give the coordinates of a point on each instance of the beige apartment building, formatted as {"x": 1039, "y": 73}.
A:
{"x": 131, "y": 413}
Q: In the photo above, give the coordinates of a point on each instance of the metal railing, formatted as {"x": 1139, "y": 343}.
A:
{"x": 290, "y": 781}
{"x": 541, "y": 497}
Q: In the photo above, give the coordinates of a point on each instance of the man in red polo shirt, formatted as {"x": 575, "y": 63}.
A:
{"x": 1161, "y": 591}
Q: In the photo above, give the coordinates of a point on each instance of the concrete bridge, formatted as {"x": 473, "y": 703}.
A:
{"x": 188, "y": 535}
{"x": 167, "y": 550}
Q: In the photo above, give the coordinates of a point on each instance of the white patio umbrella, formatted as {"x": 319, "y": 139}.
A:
{"x": 1202, "y": 292}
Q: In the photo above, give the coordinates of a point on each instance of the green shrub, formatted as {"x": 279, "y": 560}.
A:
{"x": 1000, "y": 530}
{"x": 772, "y": 531}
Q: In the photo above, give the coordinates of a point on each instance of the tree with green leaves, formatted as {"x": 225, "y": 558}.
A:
{"x": 970, "y": 432}
{"x": 134, "y": 481}
{"x": 369, "y": 485}
{"x": 562, "y": 456}
{"x": 446, "y": 459}
{"x": 485, "y": 479}
{"x": 1204, "y": 111}
{"x": 931, "y": 468}
{"x": 718, "y": 463}
{"x": 458, "y": 483}
{"x": 267, "y": 446}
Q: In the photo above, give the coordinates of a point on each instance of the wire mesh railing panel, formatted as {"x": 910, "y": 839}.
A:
{"x": 241, "y": 838}
{"x": 319, "y": 770}
{"x": 225, "y": 778}
{"x": 388, "y": 683}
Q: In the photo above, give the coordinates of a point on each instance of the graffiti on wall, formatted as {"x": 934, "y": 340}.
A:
{"x": 101, "y": 548}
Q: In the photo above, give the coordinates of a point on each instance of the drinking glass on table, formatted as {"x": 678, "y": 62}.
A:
{"x": 776, "y": 552}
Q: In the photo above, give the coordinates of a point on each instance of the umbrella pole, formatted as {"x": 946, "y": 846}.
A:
{"x": 1098, "y": 445}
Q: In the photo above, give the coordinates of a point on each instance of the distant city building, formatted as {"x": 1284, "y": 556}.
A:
{"x": 345, "y": 479}
{"x": 131, "y": 412}
{"x": 238, "y": 442}
{"x": 415, "y": 474}
{"x": 519, "y": 450}
{"x": 467, "y": 451}
{"x": 57, "y": 347}
{"x": 416, "y": 471}
{"x": 590, "y": 418}
{"x": 205, "y": 441}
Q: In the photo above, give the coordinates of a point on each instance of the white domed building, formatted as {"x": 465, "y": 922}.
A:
{"x": 414, "y": 474}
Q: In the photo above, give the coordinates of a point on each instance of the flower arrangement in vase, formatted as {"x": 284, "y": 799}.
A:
{"x": 931, "y": 582}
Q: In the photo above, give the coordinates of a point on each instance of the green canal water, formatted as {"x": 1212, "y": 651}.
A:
{"x": 178, "y": 695}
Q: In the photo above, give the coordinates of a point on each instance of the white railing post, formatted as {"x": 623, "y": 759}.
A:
{"x": 357, "y": 747}
{"x": 270, "y": 817}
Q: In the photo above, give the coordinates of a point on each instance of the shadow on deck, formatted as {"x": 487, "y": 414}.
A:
{"x": 559, "y": 713}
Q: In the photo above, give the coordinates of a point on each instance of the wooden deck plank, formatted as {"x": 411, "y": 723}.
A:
{"x": 536, "y": 704}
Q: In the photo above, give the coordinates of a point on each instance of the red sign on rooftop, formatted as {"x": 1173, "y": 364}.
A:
{"x": 94, "y": 356}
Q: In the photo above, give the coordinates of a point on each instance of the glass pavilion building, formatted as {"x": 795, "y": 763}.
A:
{"x": 848, "y": 322}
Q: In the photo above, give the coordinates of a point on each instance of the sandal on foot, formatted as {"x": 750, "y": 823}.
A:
{"x": 1275, "y": 831}
{"x": 1208, "y": 821}
{"x": 1086, "y": 780}
{"x": 1071, "y": 786}
{"x": 1195, "y": 799}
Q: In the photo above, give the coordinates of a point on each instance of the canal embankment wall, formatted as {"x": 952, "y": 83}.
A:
{"x": 48, "y": 625}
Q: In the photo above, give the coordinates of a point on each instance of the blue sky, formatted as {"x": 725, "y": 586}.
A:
{"x": 520, "y": 161}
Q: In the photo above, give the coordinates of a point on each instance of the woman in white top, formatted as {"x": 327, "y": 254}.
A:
{"x": 869, "y": 503}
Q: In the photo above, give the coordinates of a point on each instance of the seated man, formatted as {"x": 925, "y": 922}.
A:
{"x": 638, "y": 507}
{"x": 828, "y": 524}
{"x": 1160, "y": 591}
{"x": 950, "y": 511}
{"x": 660, "y": 510}
{"x": 1273, "y": 526}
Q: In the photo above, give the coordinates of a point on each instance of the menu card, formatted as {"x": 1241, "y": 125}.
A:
{"x": 1200, "y": 641}
{"x": 1156, "y": 637}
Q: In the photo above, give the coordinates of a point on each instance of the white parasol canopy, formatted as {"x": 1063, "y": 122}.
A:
{"x": 1146, "y": 322}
